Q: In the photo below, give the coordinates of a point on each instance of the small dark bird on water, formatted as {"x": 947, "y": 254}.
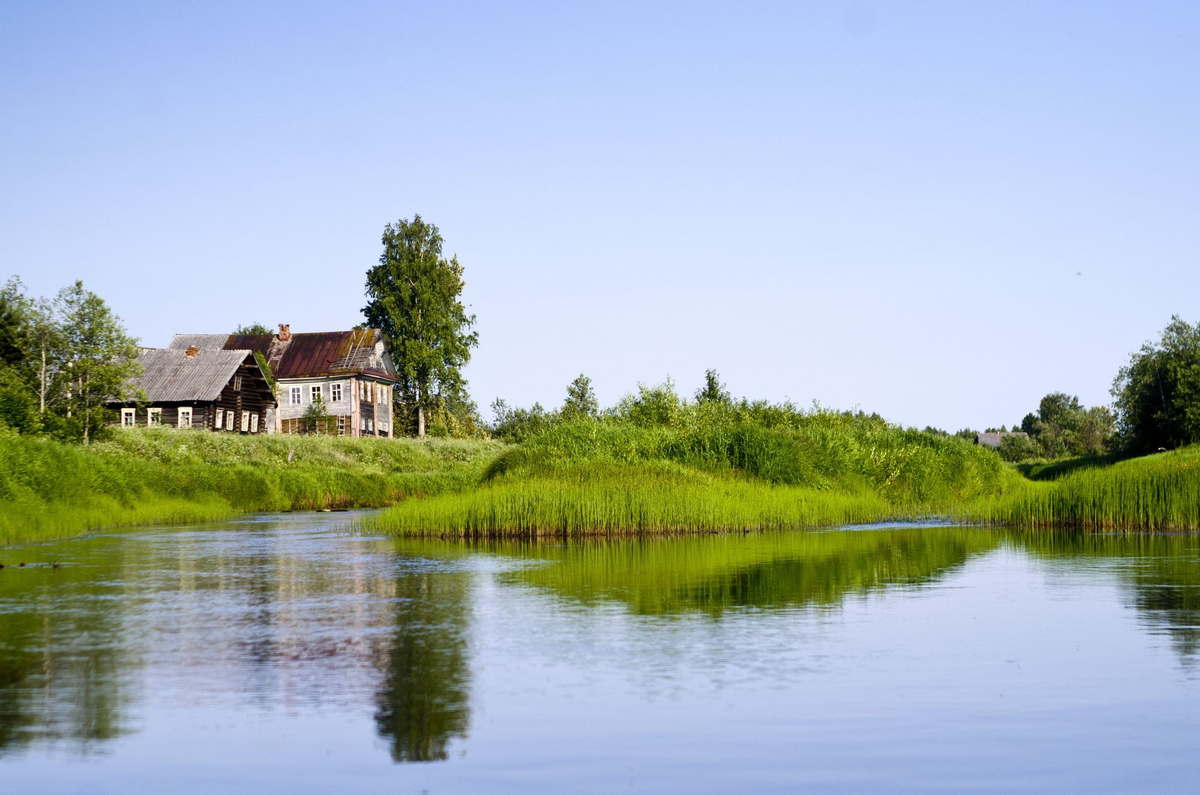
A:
{"x": 21, "y": 565}
{"x": 56, "y": 565}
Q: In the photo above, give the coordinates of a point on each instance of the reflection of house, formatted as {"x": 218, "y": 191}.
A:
{"x": 350, "y": 371}
{"x": 993, "y": 439}
{"x": 193, "y": 388}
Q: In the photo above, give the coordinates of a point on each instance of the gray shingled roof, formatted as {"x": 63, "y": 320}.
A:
{"x": 205, "y": 342}
{"x": 171, "y": 375}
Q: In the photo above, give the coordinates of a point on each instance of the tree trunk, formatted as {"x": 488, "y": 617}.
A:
{"x": 42, "y": 387}
{"x": 420, "y": 421}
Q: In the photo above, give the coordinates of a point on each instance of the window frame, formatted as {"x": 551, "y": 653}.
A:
{"x": 245, "y": 422}
{"x": 237, "y": 383}
{"x": 128, "y": 418}
{"x": 335, "y": 393}
{"x": 153, "y": 417}
{"x": 295, "y": 395}
{"x": 184, "y": 411}
{"x": 254, "y": 423}
{"x": 230, "y": 420}
{"x": 316, "y": 391}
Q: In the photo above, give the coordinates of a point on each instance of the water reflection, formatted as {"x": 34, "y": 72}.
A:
{"x": 716, "y": 573}
{"x": 1160, "y": 575}
{"x": 422, "y": 702}
{"x": 287, "y": 616}
{"x": 62, "y": 679}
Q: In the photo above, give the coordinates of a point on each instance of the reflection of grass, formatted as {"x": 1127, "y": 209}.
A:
{"x": 712, "y": 573}
{"x": 166, "y": 476}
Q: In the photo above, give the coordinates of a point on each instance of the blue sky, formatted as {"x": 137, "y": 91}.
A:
{"x": 936, "y": 211}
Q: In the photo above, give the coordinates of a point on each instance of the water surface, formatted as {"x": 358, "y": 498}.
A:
{"x": 282, "y": 653}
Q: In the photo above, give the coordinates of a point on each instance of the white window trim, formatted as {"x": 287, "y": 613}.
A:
{"x": 245, "y": 422}
{"x": 335, "y": 393}
{"x": 295, "y": 395}
{"x": 254, "y": 423}
{"x": 230, "y": 420}
{"x": 316, "y": 391}
{"x": 218, "y": 415}
{"x": 128, "y": 418}
{"x": 150, "y": 415}
{"x": 184, "y": 412}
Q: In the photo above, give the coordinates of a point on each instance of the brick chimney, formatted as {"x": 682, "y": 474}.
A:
{"x": 192, "y": 350}
{"x": 285, "y": 332}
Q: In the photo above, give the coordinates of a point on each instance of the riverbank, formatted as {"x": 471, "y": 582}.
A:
{"x": 829, "y": 469}
{"x": 597, "y": 478}
{"x": 51, "y": 489}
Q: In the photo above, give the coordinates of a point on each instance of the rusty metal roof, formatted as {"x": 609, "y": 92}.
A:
{"x": 355, "y": 352}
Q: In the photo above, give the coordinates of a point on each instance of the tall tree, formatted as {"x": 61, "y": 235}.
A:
{"x": 713, "y": 390}
{"x": 414, "y": 297}
{"x": 1157, "y": 395}
{"x": 102, "y": 358}
{"x": 581, "y": 399}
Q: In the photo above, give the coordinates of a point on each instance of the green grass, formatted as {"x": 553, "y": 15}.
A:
{"x": 618, "y": 478}
{"x": 1158, "y": 493}
{"x": 51, "y": 489}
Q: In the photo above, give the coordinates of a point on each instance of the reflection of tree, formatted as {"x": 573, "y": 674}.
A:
{"x": 60, "y": 665}
{"x": 422, "y": 702}
{"x": 1162, "y": 574}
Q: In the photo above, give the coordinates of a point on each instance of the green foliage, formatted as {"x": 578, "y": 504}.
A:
{"x": 581, "y": 399}
{"x": 267, "y": 372}
{"x": 515, "y": 424}
{"x": 101, "y": 359}
{"x": 316, "y": 418}
{"x": 1018, "y": 448}
{"x": 253, "y": 328}
{"x": 1061, "y": 427}
{"x": 14, "y": 341}
{"x": 414, "y": 297}
{"x": 165, "y": 475}
{"x": 18, "y": 407}
{"x": 656, "y": 463}
{"x": 1157, "y": 394}
{"x": 1155, "y": 493}
{"x": 713, "y": 390}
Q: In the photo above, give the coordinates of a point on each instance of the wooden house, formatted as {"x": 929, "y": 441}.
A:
{"x": 193, "y": 388}
{"x": 350, "y": 372}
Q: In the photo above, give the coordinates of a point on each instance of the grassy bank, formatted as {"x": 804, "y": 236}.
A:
{"x": 1155, "y": 493}
{"x": 144, "y": 476}
{"x": 611, "y": 478}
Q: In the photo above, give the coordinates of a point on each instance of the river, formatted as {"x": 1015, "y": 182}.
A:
{"x": 289, "y": 653}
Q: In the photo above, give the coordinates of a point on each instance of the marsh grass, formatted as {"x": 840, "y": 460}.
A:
{"x": 610, "y": 478}
{"x": 1159, "y": 493}
{"x": 158, "y": 476}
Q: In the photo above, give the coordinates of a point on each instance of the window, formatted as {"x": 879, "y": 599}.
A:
{"x": 217, "y": 415}
{"x": 245, "y": 422}
{"x": 185, "y": 417}
{"x": 128, "y": 418}
{"x": 335, "y": 392}
{"x": 229, "y": 426}
{"x": 370, "y": 426}
{"x": 341, "y": 426}
{"x": 237, "y": 383}
{"x": 295, "y": 396}
{"x": 253, "y": 423}
{"x": 153, "y": 417}
{"x": 316, "y": 393}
